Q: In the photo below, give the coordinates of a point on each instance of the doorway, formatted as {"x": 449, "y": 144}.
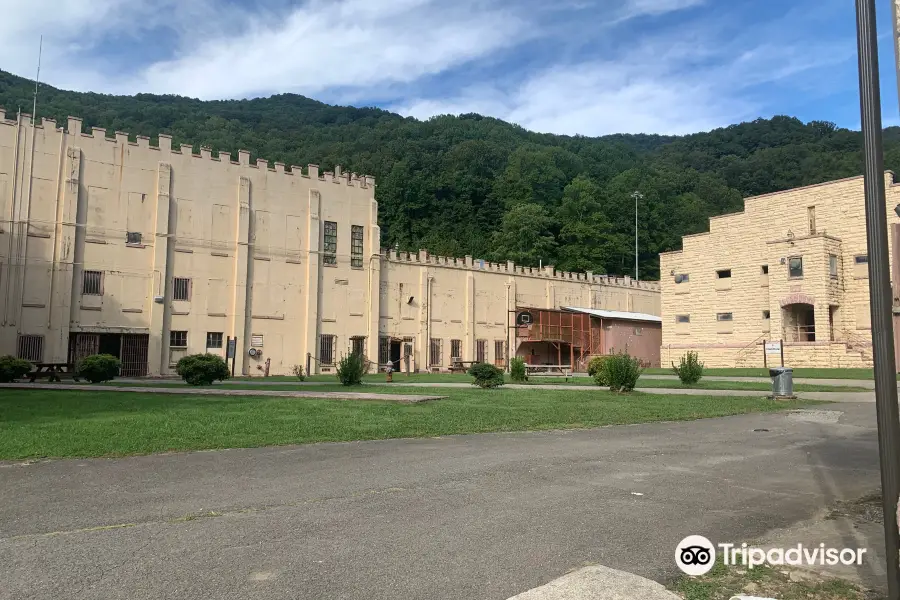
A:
{"x": 395, "y": 354}
{"x": 799, "y": 322}
{"x": 130, "y": 348}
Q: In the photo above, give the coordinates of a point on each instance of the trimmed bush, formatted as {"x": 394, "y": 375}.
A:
{"x": 596, "y": 370}
{"x": 517, "y": 370}
{"x": 298, "y": 372}
{"x": 689, "y": 369}
{"x": 12, "y": 368}
{"x": 622, "y": 372}
{"x": 202, "y": 369}
{"x": 351, "y": 369}
{"x": 486, "y": 375}
{"x": 98, "y": 368}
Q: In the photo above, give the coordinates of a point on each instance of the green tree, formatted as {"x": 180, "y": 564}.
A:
{"x": 586, "y": 240}
{"x": 525, "y": 237}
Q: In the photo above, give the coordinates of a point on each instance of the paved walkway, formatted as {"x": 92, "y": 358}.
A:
{"x": 480, "y": 517}
{"x": 221, "y": 391}
{"x": 862, "y": 383}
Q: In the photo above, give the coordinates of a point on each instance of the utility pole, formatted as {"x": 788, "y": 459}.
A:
{"x": 879, "y": 285}
{"x": 639, "y": 196}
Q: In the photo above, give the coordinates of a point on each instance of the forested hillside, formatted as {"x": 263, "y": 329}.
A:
{"x": 477, "y": 185}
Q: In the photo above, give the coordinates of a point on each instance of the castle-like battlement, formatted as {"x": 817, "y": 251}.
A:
{"x": 548, "y": 272}
{"x": 164, "y": 145}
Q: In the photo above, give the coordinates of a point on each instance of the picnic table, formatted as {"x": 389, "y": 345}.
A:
{"x": 53, "y": 371}
{"x": 461, "y": 365}
{"x": 549, "y": 370}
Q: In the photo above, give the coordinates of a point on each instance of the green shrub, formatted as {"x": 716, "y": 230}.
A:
{"x": 202, "y": 369}
{"x": 689, "y": 369}
{"x": 11, "y": 368}
{"x": 622, "y": 372}
{"x": 351, "y": 369}
{"x": 486, "y": 375}
{"x": 98, "y": 368}
{"x": 597, "y": 371}
{"x": 517, "y": 370}
{"x": 299, "y": 373}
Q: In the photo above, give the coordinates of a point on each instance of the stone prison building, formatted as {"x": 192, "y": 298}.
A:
{"x": 792, "y": 266}
{"x": 150, "y": 252}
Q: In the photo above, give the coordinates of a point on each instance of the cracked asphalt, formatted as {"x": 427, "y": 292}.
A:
{"x": 475, "y": 516}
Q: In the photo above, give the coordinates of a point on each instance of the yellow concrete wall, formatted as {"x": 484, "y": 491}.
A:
{"x": 773, "y": 228}
{"x": 250, "y": 237}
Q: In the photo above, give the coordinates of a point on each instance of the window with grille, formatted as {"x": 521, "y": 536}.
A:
{"x": 178, "y": 339}
{"x": 481, "y": 351}
{"x": 181, "y": 288}
{"x": 455, "y": 348}
{"x": 499, "y": 349}
{"x": 330, "y": 243}
{"x": 356, "y": 246}
{"x": 795, "y": 267}
{"x": 724, "y": 317}
{"x": 133, "y": 238}
{"x": 358, "y": 345}
{"x": 30, "y": 348}
{"x": 213, "y": 339}
{"x": 326, "y": 349}
{"x": 435, "y": 353}
{"x": 833, "y": 266}
{"x": 92, "y": 283}
{"x": 384, "y": 350}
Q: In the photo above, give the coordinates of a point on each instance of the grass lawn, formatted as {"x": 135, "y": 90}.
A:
{"x": 765, "y": 582}
{"x": 760, "y": 372}
{"x": 46, "y": 423}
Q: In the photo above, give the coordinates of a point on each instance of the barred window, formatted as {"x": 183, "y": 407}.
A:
{"x": 435, "y": 352}
{"x": 358, "y": 345}
{"x": 330, "y": 243}
{"x": 213, "y": 339}
{"x": 30, "y": 348}
{"x": 178, "y": 339}
{"x": 181, "y": 288}
{"x": 326, "y": 349}
{"x": 499, "y": 350}
{"x": 92, "y": 283}
{"x": 356, "y": 246}
{"x": 455, "y": 348}
{"x": 481, "y": 351}
{"x": 384, "y": 350}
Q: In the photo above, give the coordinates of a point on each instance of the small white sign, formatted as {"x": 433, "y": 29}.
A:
{"x": 773, "y": 347}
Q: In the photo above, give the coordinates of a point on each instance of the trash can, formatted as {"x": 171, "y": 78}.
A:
{"x": 782, "y": 382}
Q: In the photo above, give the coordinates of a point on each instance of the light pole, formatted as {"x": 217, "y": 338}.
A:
{"x": 879, "y": 286}
{"x": 637, "y": 196}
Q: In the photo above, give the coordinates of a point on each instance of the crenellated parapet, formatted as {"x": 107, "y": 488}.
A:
{"x": 423, "y": 257}
{"x": 164, "y": 146}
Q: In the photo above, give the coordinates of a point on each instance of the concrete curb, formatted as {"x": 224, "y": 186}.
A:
{"x": 598, "y": 583}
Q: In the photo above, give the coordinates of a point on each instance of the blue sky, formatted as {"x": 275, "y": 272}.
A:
{"x": 588, "y": 67}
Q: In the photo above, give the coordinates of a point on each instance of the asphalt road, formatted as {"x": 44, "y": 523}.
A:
{"x": 469, "y": 517}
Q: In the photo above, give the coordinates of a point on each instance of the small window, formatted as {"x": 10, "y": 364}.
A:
{"x": 92, "y": 283}
{"x": 178, "y": 339}
{"x": 811, "y": 214}
{"x": 638, "y": 331}
{"x": 434, "y": 352}
{"x": 30, "y": 348}
{"x": 213, "y": 339}
{"x": 767, "y": 315}
{"x": 795, "y": 267}
{"x": 455, "y": 348}
{"x": 481, "y": 351}
{"x": 724, "y": 274}
{"x": 833, "y": 266}
{"x": 682, "y": 278}
{"x": 330, "y": 256}
{"x": 682, "y": 318}
{"x": 326, "y": 349}
{"x": 358, "y": 345}
{"x": 724, "y": 317}
{"x": 765, "y": 269}
{"x": 133, "y": 238}
{"x": 861, "y": 259}
{"x": 356, "y": 246}
{"x": 181, "y": 289}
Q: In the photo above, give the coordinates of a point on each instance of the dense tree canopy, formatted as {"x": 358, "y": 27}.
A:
{"x": 477, "y": 185}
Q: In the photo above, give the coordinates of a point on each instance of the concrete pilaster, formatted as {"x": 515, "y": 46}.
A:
{"x": 241, "y": 325}
{"x": 160, "y": 315}
{"x": 313, "y": 290}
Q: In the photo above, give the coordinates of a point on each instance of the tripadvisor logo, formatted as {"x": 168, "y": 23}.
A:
{"x": 696, "y": 555}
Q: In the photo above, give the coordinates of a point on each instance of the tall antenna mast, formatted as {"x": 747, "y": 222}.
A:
{"x": 37, "y": 79}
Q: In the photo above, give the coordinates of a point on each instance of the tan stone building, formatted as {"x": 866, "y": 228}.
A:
{"x": 792, "y": 266}
{"x": 153, "y": 252}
